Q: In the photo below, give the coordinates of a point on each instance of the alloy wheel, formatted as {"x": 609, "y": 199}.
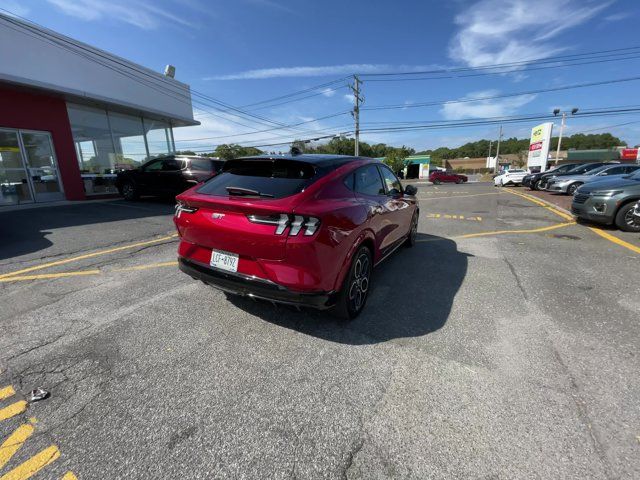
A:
{"x": 359, "y": 283}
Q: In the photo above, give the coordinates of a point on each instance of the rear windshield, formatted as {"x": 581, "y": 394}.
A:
{"x": 202, "y": 164}
{"x": 276, "y": 178}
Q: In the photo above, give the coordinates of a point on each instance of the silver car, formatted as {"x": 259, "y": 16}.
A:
{"x": 569, "y": 183}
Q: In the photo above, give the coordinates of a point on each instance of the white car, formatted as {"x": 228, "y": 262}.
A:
{"x": 510, "y": 177}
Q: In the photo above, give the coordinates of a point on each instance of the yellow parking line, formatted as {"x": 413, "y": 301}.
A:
{"x": 45, "y": 276}
{"x": 13, "y": 443}
{"x": 602, "y": 233}
{"x": 6, "y": 392}
{"x": 89, "y": 255}
{"x": 12, "y": 410}
{"x": 541, "y": 204}
{"x": 615, "y": 239}
{"x": 460, "y": 196}
{"x": 151, "y": 265}
{"x": 33, "y": 465}
{"x": 529, "y": 230}
{"x": 69, "y": 476}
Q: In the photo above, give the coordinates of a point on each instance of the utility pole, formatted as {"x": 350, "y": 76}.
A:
{"x": 498, "y": 150}
{"x": 357, "y": 99}
{"x": 490, "y": 145}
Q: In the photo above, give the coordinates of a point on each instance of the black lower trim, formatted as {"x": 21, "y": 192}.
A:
{"x": 255, "y": 287}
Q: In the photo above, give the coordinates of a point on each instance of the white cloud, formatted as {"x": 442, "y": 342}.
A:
{"x": 12, "y": 7}
{"x": 484, "y": 108}
{"x": 309, "y": 71}
{"x": 348, "y": 98}
{"x": 139, "y": 13}
{"x": 616, "y": 17}
{"x": 328, "y": 92}
{"x": 503, "y": 31}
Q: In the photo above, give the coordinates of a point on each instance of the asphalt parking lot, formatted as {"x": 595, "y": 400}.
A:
{"x": 504, "y": 345}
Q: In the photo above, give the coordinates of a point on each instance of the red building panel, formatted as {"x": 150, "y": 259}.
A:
{"x": 31, "y": 111}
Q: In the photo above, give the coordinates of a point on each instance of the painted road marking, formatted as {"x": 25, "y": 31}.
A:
{"x": 12, "y": 410}
{"x": 13, "y": 443}
{"x": 7, "y": 392}
{"x": 33, "y": 465}
{"x": 597, "y": 231}
{"x": 615, "y": 239}
{"x": 89, "y": 255}
{"x": 151, "y": 265}
{"x": 461, "y": 196}
{"x": 541, "y": 204}
{"x": 46, "y": 276}
{"x": 447, "y": 216}
{"x": 501, "y": 232}
{"x": 17, "y": 439}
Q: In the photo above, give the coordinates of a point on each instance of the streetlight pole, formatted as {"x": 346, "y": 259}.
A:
{"x": 498, "y": 150}
{"x": 562, "y": 125}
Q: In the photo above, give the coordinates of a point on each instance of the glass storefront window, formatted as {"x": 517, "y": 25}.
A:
{"x": 107, "y": 142}
{"x": 158, "y": 137}
{"x": 128, "y": 135}
{"x": 94, "y": 145}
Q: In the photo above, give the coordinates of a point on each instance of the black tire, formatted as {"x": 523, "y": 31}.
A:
{"x": 625, "y": 220}
{"x": 129, "y": 191}
{"x": 355, "y": 289}
{"x": 459, "y": 181}
{"x": 573, "y": 187}
{"x": 535, "y": 185}
{"x": 413, "y": 231}
{"x": 436, "y": 182}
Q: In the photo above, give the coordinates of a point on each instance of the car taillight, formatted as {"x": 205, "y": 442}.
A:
{"x": 281, "y": 221}
{"x": 181, "y": 207}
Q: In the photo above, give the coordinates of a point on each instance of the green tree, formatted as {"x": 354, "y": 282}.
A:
{"x": 395, "y": 158}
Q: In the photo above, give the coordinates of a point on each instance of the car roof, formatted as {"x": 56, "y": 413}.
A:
{"x": 321, "y": 160}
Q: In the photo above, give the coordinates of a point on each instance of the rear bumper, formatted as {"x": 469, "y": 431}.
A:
{"x": 254, "y": 287}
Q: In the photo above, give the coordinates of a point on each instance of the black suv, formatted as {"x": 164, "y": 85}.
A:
{"x": 579, "y": 169}
{"x": 166, "y": 176}
{"x": 533, "y": 180}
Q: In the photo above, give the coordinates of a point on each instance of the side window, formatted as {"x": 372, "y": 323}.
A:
{"x": 394, "y": 187}
{"x": 616, "y": 171}
{"x": 172, "y": 165}
{"x": 154, "y": 166}
{"x": 348, "y": 181}
{"x": 368, "y": 181}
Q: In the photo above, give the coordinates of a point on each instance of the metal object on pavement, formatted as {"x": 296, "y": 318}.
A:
{"x": 37, "y": 395}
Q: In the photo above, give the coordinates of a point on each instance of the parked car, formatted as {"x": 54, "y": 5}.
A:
{"x": 581, "y": 169}
{"x": 610, "y": 201}
{"x": 166, "y": 176}
{"x": 568, "y": 184}
{"x": 533, "y": 180}
{"x": 437, "y": 177}
{"x": 305, "y": 230}
{"x": 510, "y": 177}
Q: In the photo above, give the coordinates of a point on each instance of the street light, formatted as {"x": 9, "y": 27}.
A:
{"x": 556, "y": 111}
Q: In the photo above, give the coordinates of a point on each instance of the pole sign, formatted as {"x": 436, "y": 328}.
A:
{"x": 539, "y": 146}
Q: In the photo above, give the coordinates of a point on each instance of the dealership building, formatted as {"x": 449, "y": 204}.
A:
{"x": 72, "y": 115}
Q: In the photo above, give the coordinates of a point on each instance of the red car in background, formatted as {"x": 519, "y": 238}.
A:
{"x": 438, "y": 177}
{"x": 304, "y": 230}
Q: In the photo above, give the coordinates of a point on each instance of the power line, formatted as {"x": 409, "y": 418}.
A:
{"x": 552, "y": 59}
{"x": 505, "y": 95}
{"x": 299, "y": 92}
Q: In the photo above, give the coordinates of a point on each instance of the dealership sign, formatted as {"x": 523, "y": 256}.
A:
{"x": 630, "y": 154}
{"x": 539, "y": 146}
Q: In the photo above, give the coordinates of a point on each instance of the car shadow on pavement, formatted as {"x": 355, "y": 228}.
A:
{"x": 412, "y": 295}
{"x": 25, "y": 231}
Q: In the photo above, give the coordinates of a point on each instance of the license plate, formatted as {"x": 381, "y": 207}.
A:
{"x": 224, "y": 260}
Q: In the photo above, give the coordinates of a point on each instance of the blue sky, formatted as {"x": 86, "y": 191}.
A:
{"x": 245, "y": 51}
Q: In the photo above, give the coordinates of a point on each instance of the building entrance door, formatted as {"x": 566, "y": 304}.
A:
{"x": 28, "y": 168}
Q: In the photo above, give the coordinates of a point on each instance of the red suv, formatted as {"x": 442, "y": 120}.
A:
{"x": 438, "y": 177}
{"x": 305, "y": 230}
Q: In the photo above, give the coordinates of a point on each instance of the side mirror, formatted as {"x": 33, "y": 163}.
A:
{"x": 410, "y": 190}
